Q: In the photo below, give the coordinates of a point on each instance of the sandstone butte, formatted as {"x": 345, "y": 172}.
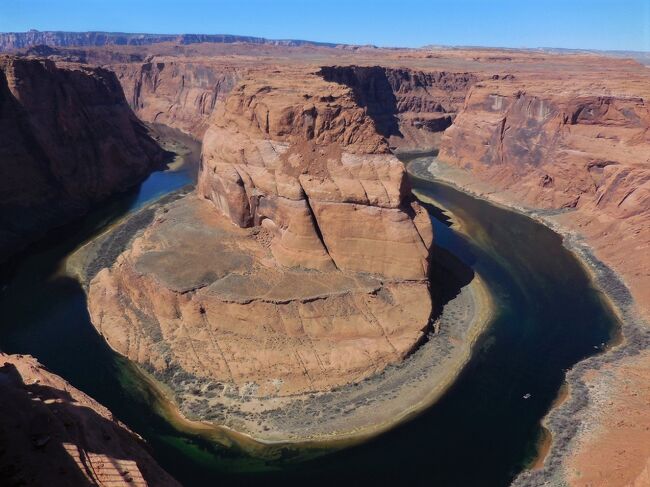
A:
{"x": 299, "y": 265}
{"x": 530, "y": 129}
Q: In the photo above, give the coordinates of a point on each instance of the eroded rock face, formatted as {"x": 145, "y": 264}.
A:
{"x": 410, "y": 107}
{"x": 307, "y": 163}
{"x": 199, "y": 295}
{"x": 53, "y": 434}
{"x": 67, "y": 139}
{"x": 181, "y": 93}
{"x": 555, "y": 147}
{"x": 299, "y": 265}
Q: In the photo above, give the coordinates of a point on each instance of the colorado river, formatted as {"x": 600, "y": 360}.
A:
{"x": 483, "y": 431}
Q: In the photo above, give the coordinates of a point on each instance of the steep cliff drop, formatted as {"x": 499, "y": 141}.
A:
{"x": 67, "y": 139}
{"x": 299, "y": 264}
{"x": 574, "y": 151}
{"x": 53, "y": 434}
{"x": 178, "y": 92}
{"x": 581, "y": 150}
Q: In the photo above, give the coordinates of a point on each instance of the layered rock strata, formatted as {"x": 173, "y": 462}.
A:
{"x": 54, "y": 435}
{"x": 67, "y": 139}
{"x": 299, "y": 265}
{"x": 574, "y": 149}
{"x": 180, "y": 93}
{"x": 582, "y": 149}
{"x": 411, "y": 107}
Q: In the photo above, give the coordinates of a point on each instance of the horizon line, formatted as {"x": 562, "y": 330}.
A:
{"x": 334, "y": 44}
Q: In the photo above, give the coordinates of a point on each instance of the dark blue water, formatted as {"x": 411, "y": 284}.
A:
{"x": 481, "y": 433}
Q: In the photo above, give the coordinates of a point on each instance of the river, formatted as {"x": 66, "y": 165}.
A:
{"x": 483, "y": 431}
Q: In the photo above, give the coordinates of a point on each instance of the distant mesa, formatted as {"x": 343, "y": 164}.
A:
{"x": 10, "y": 41}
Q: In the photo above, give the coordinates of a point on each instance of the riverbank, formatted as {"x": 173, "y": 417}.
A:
{"x": 578, "y": 421}
{"x": 338, "y": 418}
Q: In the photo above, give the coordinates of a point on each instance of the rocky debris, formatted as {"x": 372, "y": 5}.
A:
{"x": 52, "y": 434}
{"x": 616, "y": 453}
{"x": 68, "y": 139}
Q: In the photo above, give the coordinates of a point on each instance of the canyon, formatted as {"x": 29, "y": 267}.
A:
{"x": 300, "y": 262}
{"x": 69, "y": 140}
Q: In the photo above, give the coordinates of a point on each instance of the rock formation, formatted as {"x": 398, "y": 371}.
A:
{"x": 67, "y": 139}
{"x": 410, "y": 107}
{"x": 276, "y": 276}
{"x": 54, "y": 435}
{"x": 180, "y": 93}
{"x": 578, "y": 147}
{"x": 300, "y": 264}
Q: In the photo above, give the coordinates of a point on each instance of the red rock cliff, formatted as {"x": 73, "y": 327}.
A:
{"x": 54, "y": 435}
{"x": 301, "y": 157}
{"x": 181, "y": 93}
{"x": 67, "y": 139}
{"x": 578, "y": 145}
{"x": 410, "y": 107}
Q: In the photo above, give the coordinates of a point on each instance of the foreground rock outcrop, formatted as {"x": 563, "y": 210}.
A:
{"x": 52, "y": 434}
{"x": 67, "y": 139}
{"x": 299, "y": 265}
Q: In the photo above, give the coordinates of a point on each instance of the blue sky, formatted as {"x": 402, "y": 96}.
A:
{"x": 596, "y": 24}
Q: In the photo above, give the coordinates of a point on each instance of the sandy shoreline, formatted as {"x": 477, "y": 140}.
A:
{"x": 565, "y": 419}
{"x": 337, "y": 418}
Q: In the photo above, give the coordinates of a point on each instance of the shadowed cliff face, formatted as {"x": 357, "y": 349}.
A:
{"x": 406, "y": 105}
{"x": 53, "y": 434}
{"x": 372, "y": 91}
{"x": 67, "y": 139}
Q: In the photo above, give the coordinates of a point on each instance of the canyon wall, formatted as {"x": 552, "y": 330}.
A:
{"x": 573, "y": 145}
{"x": 67, "y": 140}
{"x": 54, "y": 435}
{"x": 410, "y": 107}
{"x": 582, "y": 149}
{"x": 180, "y": 93}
